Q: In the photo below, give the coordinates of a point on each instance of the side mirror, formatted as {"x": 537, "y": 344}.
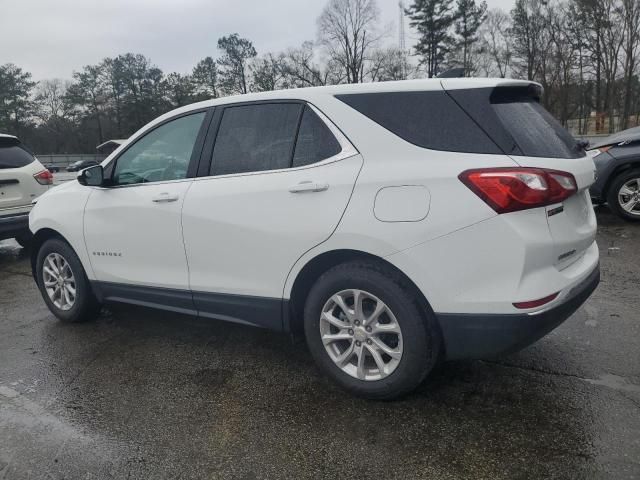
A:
{"x": 92, "y": 176}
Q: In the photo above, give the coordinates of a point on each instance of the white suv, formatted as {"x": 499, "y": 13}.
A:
{"x": 395, "y": 224}
{"x": 22, "y": 180}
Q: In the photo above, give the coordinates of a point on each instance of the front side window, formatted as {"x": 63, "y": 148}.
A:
{"x": 254, "y": 138}
{"x": 161, "y": 155}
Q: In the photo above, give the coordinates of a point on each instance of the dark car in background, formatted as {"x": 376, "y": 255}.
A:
{"x": 81, "y": 165}
{"x": 52, "y": 167}
{"x": 617, "y": 160}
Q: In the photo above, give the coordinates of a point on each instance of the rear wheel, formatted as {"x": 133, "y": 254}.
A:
{"x": 63, "y": 283}
{"x": 365, "y": 330}
{"x": 624, "y": 195}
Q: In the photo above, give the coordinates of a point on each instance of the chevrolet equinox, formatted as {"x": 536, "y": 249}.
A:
{"x": 393, "y": 224}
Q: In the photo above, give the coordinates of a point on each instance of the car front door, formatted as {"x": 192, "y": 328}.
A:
{"x": 133, "y": 227}
{"x": 280, "y": 179}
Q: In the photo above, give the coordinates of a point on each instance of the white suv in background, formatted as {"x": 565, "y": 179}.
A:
{"x": 22, "y": 180}
{"x": 395, "y": 224}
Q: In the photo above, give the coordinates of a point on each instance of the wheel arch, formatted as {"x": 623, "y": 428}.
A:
{"x": 38, "y": 240}
{"x": 321, "y": 263}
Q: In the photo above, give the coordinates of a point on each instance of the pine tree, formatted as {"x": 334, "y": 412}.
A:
{"x": 433, "y": 20}
{"x": 469, "y": 17}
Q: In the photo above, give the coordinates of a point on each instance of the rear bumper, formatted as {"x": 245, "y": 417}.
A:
{"x": 13, "y": 225}
{"x": 469, "y": 336}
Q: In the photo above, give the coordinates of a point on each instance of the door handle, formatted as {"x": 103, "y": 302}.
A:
{"x": 164, "y": 198}
{"x": 309, "y": 186}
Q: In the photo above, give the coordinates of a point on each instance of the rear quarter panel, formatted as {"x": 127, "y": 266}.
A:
{"x": 390, "y": 161}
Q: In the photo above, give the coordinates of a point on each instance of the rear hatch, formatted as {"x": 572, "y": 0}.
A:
{"x": 514, "y": 119}
{"x": 18, "y": 187}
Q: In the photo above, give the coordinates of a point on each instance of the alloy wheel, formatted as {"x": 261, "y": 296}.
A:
{"x": 361, "y": 335}
{"x": 59, "y": 281}
{"x": 629, "y": 197}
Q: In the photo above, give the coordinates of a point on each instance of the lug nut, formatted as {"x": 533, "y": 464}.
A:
{"x": 368, "y": 341}
{"x": 358, "y": 343}
{"x": 350, "y": 332}
{"x": 368, "y": 329}
{"x": 357, "y": 322}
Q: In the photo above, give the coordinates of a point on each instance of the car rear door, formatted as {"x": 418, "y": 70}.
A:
{"x": 280, "y": 179}
{"x": 133, "y": 229}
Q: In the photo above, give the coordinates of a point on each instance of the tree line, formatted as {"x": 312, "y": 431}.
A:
{"x": 583, "y": 52}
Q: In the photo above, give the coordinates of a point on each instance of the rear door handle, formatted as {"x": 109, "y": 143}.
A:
{"x": 309, "y": 186}
{"x": 164, "y": 198}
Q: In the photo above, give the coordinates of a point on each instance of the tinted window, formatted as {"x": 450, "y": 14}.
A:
{"x": 533, "y": 129}
{"x": 315, "y": 141}
{"x": 516, "y": 121}
{"x": 161, "y": 155}
{"x": 426, "y": 119}
{"x": 12, "y": 155}
{"x": 253, "y": 138}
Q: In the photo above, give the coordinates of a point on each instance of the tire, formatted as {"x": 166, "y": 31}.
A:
{"x": 419, "y": 341}
{"x": 613, "y": 195}
{"x": 85, "y": 306}
{"x": 24, "y": 240}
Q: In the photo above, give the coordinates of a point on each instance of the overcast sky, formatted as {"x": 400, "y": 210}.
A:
{"x": 52, "y": 38}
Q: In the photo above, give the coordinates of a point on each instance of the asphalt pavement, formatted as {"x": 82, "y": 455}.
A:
{"x": 145, "y": 394}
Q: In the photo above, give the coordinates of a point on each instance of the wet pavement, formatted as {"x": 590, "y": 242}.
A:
{"x": 145, "y": 394}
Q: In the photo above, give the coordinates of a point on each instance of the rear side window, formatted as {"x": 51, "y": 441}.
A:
{"x": 428, "y": 119}
{"x": 315, "y": 141}
{"x": 253, "y": 138}
{"x": 516, "y": 121}
{"x": 13, "y": 155}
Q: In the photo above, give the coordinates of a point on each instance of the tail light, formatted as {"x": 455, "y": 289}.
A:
{"x": 45, "y": 177}
{"x": 513, "y": 189}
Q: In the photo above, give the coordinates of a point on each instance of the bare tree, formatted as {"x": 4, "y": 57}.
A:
{"x": 268, "y": 73}
{"x": 51, "y": 99}
{"x": 388, "y": 64}
{"x": 302, "y": 70}
{"x": 630, "y": 13}
{"x": 348, "y": 31}
{"x": 496, "y": 44}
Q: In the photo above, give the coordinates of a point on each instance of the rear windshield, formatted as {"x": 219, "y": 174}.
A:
{"x": 13, "y": 155}
{"x": 515, "y": 120}
{"x": 533, "y": 129}
{"x": 428, "y": 119}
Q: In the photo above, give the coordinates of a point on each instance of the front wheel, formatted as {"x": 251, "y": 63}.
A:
{"x": 624, "y": 195}
{"x": 63, "y": 283}
{"x": 368, "y": 333}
